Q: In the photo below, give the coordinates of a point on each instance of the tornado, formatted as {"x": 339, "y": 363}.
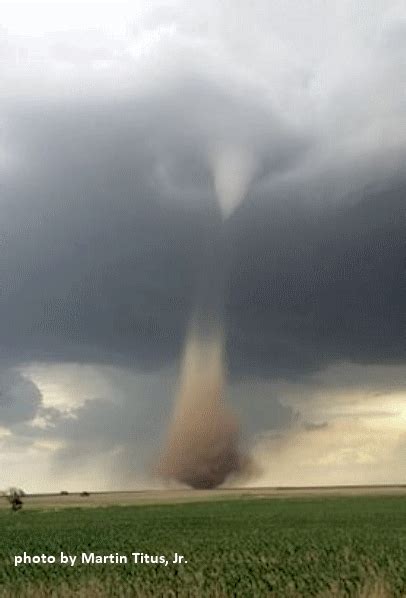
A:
{"x": 202, "y": 446}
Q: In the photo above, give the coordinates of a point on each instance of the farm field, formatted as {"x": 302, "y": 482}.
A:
{"x": 287, "y": 546}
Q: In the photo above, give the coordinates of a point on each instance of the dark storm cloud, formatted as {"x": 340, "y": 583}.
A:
{"x": 99, "y": 253}
{"x": 99, "y": 250}
{"x": 89, "y": 256}
{"x": 310, "y": 287}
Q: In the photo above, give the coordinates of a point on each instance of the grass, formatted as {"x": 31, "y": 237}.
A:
{"x": 352, "y": 546}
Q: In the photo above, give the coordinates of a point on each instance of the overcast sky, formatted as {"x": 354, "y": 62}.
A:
{"x": 110, "y": 118}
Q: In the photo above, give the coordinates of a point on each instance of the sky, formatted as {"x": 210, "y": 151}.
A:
{"x": 111, "y": 117}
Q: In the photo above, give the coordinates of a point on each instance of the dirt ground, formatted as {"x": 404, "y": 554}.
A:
{"x": 165, "y": 496}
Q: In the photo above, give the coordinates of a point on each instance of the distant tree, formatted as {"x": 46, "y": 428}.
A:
{"x": 84, "y": 493}
{"x": 64, "y": 493}
{"x": 14, "y": 497}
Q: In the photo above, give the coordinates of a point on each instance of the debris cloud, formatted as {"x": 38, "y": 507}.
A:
{"x": 202, "y": 449}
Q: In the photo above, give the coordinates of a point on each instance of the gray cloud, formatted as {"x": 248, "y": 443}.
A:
{"x": 20, "y": 399}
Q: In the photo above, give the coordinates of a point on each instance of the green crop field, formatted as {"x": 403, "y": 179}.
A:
{"x": 351, "y": 546}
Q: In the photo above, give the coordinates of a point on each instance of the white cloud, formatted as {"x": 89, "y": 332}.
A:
{"x": 351, "y": 423}
{"x": 332, "y": 69}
